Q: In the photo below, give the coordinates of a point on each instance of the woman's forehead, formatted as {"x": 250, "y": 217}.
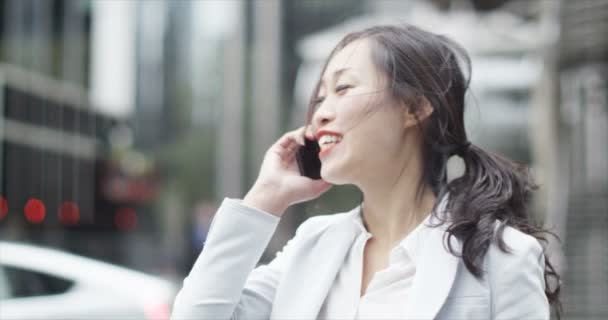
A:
{"x": 354, "y": 57}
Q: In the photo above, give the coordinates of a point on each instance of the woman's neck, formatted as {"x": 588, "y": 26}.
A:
{"x": 390, "y": 212}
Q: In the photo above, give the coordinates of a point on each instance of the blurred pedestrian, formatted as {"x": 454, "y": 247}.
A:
{"x": 202, "y": 216}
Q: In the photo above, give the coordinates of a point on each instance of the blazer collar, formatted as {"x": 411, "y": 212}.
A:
{"x": 437, "y": 268}
{"x": 435, "y": 274}
{"x": 311, "y": 273}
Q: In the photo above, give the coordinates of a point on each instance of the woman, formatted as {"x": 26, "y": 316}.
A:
{"x": 387, "y": 114}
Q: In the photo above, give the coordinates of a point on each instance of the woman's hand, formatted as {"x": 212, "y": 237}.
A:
{"x": 279, "y": 183}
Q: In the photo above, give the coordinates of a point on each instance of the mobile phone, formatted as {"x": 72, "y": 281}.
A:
{"x": 308, "y": 160}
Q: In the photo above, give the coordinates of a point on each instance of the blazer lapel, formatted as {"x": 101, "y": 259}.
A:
{"x": 435, "y": 274}
{"x": 312, "y": 272}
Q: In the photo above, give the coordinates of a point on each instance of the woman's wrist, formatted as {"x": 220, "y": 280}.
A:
{"x": 265, "y": 198}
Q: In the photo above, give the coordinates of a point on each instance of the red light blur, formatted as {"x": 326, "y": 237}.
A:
{"x": 125, "y": 219}
{"x": 3, "y": 207}
{"x": 69, "y": 213}
{"x": 35, "y": 211}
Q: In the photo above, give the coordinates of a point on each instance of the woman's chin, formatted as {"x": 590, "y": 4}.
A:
{"x": 333, "y": 176}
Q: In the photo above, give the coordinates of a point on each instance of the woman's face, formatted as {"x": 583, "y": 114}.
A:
{"x": 359, "y": 129}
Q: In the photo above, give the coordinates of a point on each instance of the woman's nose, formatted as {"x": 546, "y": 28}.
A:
{"x": 322, "y": 116}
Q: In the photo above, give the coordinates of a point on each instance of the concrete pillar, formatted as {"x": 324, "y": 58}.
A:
{"x": 265, "y": 80}
{"x": 113, "y": 57}
{"x": 230, "y": 128}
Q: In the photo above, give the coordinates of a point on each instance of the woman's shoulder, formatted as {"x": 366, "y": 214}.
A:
{"x": 517, "y": 277}
{"x": 521, "y": 248}
{"x": 519, "y": 241}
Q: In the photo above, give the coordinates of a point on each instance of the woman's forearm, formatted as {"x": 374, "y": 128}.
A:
{"x": 237, "y": 238}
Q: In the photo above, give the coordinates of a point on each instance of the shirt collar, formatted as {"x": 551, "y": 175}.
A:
{"x": 358, "y": 221}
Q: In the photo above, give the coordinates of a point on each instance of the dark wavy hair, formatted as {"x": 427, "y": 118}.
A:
{"x": 423, "y": 66}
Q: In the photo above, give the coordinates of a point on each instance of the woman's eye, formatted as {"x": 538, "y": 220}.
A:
{"x": 342, "y": 88}
{"x": 339, "y": 90}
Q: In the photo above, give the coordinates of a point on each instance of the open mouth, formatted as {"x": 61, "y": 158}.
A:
{"x": 328, "y": 142}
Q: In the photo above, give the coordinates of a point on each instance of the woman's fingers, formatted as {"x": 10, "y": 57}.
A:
{"x": 290, "y": 137}
{"x": 285, "y": 141}
{"x": 291, "y": 141}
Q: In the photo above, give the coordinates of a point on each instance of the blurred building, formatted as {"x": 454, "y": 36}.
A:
{"x": 582, "y": 157}
{"x": 65, "y": 181}
{"x": 184, "y": 93}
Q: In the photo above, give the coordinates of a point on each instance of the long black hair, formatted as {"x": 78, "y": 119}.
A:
{"x": 425, "y": 67}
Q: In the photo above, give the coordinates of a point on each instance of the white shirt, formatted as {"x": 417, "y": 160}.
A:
{"x": 388, "y": 289}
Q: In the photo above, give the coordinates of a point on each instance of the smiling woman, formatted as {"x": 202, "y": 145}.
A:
{"x": 387, "y": 114}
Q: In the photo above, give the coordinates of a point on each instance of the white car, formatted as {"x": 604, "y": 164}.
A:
{"x": 40, "y": 283}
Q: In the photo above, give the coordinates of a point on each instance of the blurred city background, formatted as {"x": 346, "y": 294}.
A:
{"x": 123, "y": 125}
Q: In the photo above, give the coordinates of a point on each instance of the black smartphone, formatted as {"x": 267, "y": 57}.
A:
{"x": 308, "y": 160}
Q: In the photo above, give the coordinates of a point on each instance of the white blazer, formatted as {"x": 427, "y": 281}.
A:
{"x": 223, "y": 283}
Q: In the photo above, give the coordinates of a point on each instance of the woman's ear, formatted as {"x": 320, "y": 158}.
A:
{"x": 417, "y": 114}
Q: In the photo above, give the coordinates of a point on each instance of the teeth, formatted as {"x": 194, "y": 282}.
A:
{"x": 326, "y": 140}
